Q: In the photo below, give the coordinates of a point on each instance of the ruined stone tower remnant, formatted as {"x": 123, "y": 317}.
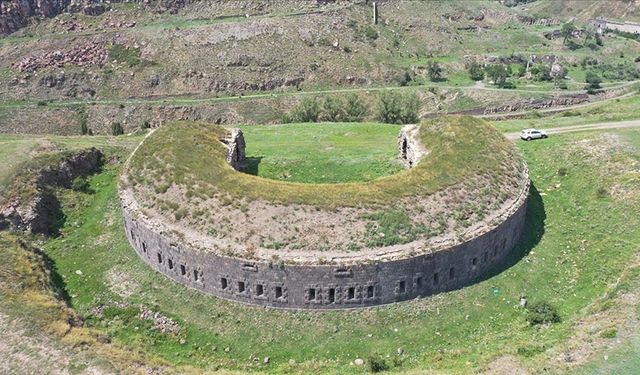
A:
{"x": 235, "y": 148}
{"x": 410, "y": 147}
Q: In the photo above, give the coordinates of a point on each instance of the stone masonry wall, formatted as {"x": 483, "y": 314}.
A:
{"x": 367, "y": 283}
{"x": 409, "y": 145}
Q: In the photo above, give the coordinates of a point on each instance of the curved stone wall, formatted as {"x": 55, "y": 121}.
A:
{"x": 366, "y": 283}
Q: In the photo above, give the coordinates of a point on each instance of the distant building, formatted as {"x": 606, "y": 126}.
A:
{"x": 601, "y": 24}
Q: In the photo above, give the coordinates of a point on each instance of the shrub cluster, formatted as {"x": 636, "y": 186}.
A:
{"x": 542, "y": 313}
{"x": 116, "y": 128}
{"x": 331, "y": 108}
{"x": 397, "y": 108}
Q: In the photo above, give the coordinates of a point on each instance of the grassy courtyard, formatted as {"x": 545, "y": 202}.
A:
{"x": 322, "y": 153}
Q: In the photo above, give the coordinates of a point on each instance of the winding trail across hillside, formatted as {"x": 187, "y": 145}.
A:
{"x": 587, "y": 127}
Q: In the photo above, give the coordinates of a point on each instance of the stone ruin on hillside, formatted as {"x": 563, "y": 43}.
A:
{"x": 235, "y": 148}
{"x": 410, "y": 147}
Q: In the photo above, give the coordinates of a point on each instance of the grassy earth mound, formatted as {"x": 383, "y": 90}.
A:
{"x": 470, "y": 176}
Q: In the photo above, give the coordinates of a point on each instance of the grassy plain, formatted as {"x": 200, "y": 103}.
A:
{"x": 324, "y": 153}
{"x": 582, "y": 236}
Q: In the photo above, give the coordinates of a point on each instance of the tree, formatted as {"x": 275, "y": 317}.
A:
{"x": 593, "y": 81}
{"x": 332, "y": 108}
{"x": 567, "y": 30}
{"x": 307, "y": 111}
{"x": 476, "y": 71}
{"x": 435, "y": 71}
{"x": 395, "y": 108}
{"x": 499, "y": 73}
{"x": 116, "y": 128}
{"x": 356, "y": 110}
{"x": 541, "y": 72}
{"x": 84, "y": 129}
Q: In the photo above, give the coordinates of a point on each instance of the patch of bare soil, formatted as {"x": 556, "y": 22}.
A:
{"x": 506, "y": 365}
{"x": 25, "y": 351}
{"x": 121, "y": 283}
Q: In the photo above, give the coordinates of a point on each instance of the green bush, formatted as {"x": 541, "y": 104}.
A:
{"x": 593, "y": 80}
{"x": 403, "y": 78}
{"x": 542, "y": 313}
{"x": 84, "y": 129}
{"x": 332, "y": 109}
{"x": 308, "y": 110}
{"x": 80, "y": 184}
{"x": 356, "y": 109}
{"x": 476, "y": 71}
{"x": 370, "y": 33}
{"x": 395, "y": 108}
{"x": 377, "y": 363}
{"x": 499, "y": 73}
{"x": 435, "y": 71}
{"x": 116, "y": 128}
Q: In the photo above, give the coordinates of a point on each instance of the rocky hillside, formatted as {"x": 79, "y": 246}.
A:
{"x": 69, "y": 62}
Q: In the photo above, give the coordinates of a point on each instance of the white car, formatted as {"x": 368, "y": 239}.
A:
{"x": 529, "y": 134}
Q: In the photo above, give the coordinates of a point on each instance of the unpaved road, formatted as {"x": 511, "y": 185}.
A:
{"x": 580, "y": 128}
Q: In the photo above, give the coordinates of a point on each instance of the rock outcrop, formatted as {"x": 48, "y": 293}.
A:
{"x": 16, "y": 14}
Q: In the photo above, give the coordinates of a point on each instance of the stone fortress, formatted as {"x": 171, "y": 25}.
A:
{"x": 366, "y": 278}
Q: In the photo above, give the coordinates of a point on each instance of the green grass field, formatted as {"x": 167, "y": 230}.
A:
{"x": 322, "y": 153}
{"x": 583, "y": 233}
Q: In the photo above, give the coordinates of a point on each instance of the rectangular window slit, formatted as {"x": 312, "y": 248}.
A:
{"x": 278, "y": 292}
{"x": 183, "y": 270}
{"x": 332, "y": 295}
{"x": 419, "y": 282}
{"x": 240, "y": 286}
{"x": 159, "y": 258}
{"x": 402, "y": 286}
{"x": 259, "y": 290}
{"x": 144, "y": 247}
{"x": 452, "y": 273}
{"x": 435, "y": 278}
{"x": 370, "y": 291}
{"x": 474, "y": 261}
{"x": 195, "y": 275}
{"x": 170, "y": 264}
{"x": 312, "y": 294}
{"x": 351, "y": 293}
{"x": 224, "y": 283}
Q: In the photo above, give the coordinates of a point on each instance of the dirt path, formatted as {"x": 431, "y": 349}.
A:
{"x": 579, "y": 128}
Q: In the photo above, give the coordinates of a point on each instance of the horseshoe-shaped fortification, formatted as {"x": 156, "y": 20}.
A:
{"x": 447, "y": 220}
